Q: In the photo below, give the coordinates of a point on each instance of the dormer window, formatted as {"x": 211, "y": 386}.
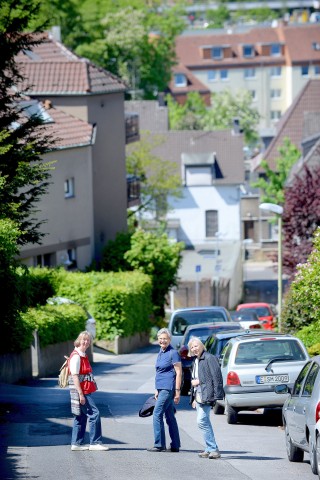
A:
{"x": 216, "y": 53}
{"x": 180, "y": 80}
{"x": 275, "y": 50}
{"x": 248, "y": 51}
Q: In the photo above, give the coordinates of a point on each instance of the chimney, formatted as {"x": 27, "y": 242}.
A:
{"x": 56, "y": 33}
{"x": 236, "y": 129}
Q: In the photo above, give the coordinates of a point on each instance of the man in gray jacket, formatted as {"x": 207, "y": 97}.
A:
{"x": 207, "y": 387}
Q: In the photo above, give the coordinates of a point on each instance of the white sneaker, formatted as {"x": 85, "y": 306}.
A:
{"x": 99, "y": 447}
{"x": 79, "y": 447}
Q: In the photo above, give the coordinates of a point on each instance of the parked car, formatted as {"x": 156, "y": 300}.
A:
{"x": 301, "y": 415}
{"x": 264, "y": 312}
{"x": 253, "y": 364}
{"x": 248, "y": 319}
{"x": 90, "y": 323}
{"x": 183, "y": 317}
{"x": 202, "y": 331}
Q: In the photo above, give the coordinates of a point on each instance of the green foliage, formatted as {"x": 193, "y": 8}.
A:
{"x": 158, "y": 177}
{"x": 122, "y": 305}
{"x": 55, "y": 323}
{"x": 218, "y": 17}
{"x": 302, "y": 302}
{"x": 141, "y": 55}
{"x": 38, "y": 285}
{"x": 310, "y": 335}
{"x": 113, "y": 253}
{"x": 273, "y": 186}
{"x": 158, "y": 257}
{"x": 225, "y": 107}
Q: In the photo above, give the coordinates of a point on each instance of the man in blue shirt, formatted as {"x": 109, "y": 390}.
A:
{"x": 167, "y": 393}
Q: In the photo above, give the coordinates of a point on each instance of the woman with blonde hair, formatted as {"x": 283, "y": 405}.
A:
{"x": 207, "y": 387}
{"x": 82, "y": 385}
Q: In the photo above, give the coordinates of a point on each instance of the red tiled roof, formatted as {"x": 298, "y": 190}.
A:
{"x": 50, "y": 68}
{"x": 193, "y": 84}
{"x": 292, "y": 122}
{"x": 67, "y": 130}
{"x": 298, "y": 41}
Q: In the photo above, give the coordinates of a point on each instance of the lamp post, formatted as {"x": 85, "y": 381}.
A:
{"x": 278, "y": 210}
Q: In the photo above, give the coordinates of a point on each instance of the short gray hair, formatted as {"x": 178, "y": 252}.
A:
{"x": 199, "y": 341}
{"x": 164, "y": 331}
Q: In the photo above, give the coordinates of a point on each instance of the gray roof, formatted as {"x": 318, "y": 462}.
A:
{"x": 152, "y": 116}
{"x": 226, "y": 147}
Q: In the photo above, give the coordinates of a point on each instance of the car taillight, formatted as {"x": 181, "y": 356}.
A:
{"x": 318, "y": 412}
{"x": 257, "y": 325}
{"x": 233, "y": 379}
{"x": 184, "y": 352}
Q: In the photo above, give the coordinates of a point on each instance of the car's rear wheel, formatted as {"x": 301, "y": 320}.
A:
{"x": 218, "y": 409}
{"x": 313, "y": 458}
{"x": 294, "y": 453}
{"x": 232, "y": 414}
{"x": 318, "y": 455}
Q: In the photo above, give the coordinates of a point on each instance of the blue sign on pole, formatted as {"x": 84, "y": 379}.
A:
{"x": 198, "y": 268}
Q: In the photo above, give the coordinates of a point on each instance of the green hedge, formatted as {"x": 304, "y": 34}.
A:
{"x": 55, "y": 323}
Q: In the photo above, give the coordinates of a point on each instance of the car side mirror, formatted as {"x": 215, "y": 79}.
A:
{"x": 282, "y": 389}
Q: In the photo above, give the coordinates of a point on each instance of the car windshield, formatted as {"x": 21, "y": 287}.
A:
{"x": 260, "y": 311}
{"x": 262, "y": 351}
{"x": 203, "y": 333}
{"x": 183, "y": 319}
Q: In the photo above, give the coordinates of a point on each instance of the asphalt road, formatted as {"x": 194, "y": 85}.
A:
{"x": 35, "y": 432}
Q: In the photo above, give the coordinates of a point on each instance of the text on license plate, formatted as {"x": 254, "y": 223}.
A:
{"x": 281, "y": 378}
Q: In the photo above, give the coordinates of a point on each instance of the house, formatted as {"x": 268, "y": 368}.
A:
{"x": 67, "y": 206}
{"x": 301, "y": 124}
{"x": 94, "y": 96}
{"x": 273, "y": 64}
{"x": 207, "y": 217}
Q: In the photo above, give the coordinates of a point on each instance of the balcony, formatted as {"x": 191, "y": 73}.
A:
{"x": 133, "y": 191}
{"x": 132, "y": 127}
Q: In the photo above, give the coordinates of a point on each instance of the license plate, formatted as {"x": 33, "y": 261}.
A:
{"x": 281, "y": 378}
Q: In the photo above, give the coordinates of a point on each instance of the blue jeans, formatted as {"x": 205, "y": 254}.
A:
{"x": 165, "y": 406}
{"x": 204, "y": 423}
{"x": 89, "y": 412}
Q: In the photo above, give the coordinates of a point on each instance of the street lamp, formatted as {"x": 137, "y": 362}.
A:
{"x": 278, "y": 210}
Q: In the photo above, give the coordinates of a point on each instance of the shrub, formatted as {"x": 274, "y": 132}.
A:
{"x": 55, "y": 323}
{"x": 302, "y": 302}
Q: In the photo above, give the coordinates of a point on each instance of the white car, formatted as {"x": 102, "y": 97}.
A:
{"x": 253, "y": 364}
{"x": 90, "y": 323}
{"x": 301, "y": 415}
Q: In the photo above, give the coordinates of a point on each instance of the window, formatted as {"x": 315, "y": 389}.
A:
{"x": 211, "y": 223}
{"x": 275, "y": 71}
{"x": 305, "y": 70}
{"x": 275, "y": 93}
{"x": 300, "y": 379}
{"x": 253, "y": 94}
{"x": 309, "y": 384}
{"x": 216, "y": 53}
{"x": 249, "y": 73}
{"x": 275, "y": 50}
{"x": 248, "y": 51}
{"x": 317, "y": 70}
{"x": 275, "y": 115}
{"x": 69, "y": 188}
{"x": 180, "y": 80}
{"x": 224, "y": 74}
{"x": 211, "y": 75}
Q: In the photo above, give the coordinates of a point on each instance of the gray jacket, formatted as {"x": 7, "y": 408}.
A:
{"x": 210, "y": 378}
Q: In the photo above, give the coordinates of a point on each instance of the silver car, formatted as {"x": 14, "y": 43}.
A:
{"x": 253, "y": 364}
{"x": 301, "y": 414}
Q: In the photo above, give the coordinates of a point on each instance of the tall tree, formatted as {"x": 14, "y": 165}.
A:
{"x": 225, "y": 107}
{"x": 301, "y": 217}
{"x": 273, "y": 185}
{"x": 23, "y": 140}
{"x": 158, "y": 177}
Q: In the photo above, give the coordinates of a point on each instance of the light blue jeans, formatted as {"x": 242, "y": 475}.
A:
{"x": 89, "y": 412}
{"x": 165, "y": 406}
{"x": 204, "y": 424}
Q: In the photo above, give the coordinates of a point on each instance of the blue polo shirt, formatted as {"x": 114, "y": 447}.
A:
{"x": 165, "y": 372}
